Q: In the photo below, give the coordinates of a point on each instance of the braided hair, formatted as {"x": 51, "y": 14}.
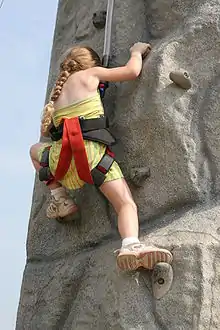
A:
{"x": 76, "y": 59}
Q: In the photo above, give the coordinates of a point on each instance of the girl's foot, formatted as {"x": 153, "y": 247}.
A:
{"x": 60, "y": 207}
{"x": 138, "y": 255}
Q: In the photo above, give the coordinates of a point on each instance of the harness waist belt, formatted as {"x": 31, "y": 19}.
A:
{"x": 87, "y": 125}
{"x": 93, "y": 123}
{"x": 100, "y": 135}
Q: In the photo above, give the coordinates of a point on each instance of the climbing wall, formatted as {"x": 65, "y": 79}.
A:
{"x": 169, "y": 151}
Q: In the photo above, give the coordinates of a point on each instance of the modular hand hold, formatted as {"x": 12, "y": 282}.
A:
{"x": 181, "y": 78}
{"x": 99, "y": 19}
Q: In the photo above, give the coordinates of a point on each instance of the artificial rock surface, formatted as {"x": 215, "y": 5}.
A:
{"x": 70, "y": 279}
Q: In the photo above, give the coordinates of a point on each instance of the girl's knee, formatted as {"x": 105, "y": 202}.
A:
{"x": 128, "y": 202}
{"x": 31, "y": 150}
{"x": 132, "y": 204}
{"x": 34, "y": 150}
{"x": 118, "y": 194}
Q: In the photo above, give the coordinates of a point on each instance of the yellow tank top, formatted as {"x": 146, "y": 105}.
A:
{"x": 88, "y": 108}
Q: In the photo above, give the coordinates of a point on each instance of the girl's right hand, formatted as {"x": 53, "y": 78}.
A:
{"x": 142, "y": 48}
{"x": 130, "y": 71}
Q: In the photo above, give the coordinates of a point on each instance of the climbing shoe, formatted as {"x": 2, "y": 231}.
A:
{"x": 138, "y": 255}
{"x": 61, "y": 207}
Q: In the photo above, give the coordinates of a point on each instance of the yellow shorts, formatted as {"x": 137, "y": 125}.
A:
{"x": 71, "y": 180}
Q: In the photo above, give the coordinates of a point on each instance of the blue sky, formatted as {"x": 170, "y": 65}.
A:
{"x": 26, "y": 34}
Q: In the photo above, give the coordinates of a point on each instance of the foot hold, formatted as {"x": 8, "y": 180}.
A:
{"x": 162, "y": 279}
{"x": 140, "y": 255}
{"x": 99, "y": 19}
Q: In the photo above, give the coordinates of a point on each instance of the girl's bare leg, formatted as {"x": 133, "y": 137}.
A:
{"x": 132, "y": 254}
{"x": 119, "y": 195}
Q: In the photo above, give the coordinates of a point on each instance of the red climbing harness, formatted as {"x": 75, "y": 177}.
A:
{"x": 72, "y": 132}
{"x": 73, "y": 146}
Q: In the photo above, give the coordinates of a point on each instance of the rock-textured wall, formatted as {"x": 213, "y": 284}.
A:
{"x": 70, "y": 279}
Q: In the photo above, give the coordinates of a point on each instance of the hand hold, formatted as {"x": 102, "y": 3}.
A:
{"x": 139, "y": 175}
{"x": 181, "y": 78}
{"x": 147, "y": 52}
{"x": 99, "y": 19}
{"x": 162, "y": 279}
{"x": 142, "y": 48}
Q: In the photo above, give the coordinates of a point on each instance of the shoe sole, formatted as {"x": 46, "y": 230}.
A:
{"x": 146, "y": 260}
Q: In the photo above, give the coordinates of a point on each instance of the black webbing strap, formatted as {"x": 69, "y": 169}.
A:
{"x": 93, "y": 123}
{"x": 44, "y": 172}
{"x": 86, "y": 125}
{"x": 102, "y": 168}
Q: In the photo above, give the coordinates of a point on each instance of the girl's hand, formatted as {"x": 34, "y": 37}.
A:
{"x": 127, "y": 72}
{"x": 141, "y": 48}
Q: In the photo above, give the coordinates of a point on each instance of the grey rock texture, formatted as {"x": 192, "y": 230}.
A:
{"x": 70, "y": 280}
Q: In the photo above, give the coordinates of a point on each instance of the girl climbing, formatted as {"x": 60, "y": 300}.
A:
{"x": 75, "y": 97}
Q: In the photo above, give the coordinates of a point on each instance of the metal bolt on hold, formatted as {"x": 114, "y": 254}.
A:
{"x": 99, "y": 19}
{"x": 181, "y": 78}
{"x": 160, "y": 281}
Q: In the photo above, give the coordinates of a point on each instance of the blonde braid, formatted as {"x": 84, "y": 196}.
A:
{"x": 46, "y": 118}
{"x": 64, "y": 75}
{"x": 76, "y": 59}
{"x": 67, "y": 69}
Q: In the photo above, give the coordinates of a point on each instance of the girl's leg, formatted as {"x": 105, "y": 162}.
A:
{"x": 60, "y": 204}
{"x": 132, "y": 254}
{"x": 119, "y": 195}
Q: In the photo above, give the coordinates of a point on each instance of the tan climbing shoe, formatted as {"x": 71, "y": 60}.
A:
{"x": 181, "y": 78}
{"x": 140, "y": 255}
{"x": 60, "y": 208}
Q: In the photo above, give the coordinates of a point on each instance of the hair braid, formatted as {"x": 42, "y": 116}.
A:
{"x": 63, "y": 76}
{"x": 46, "y": 118}
{"x": 68, "y": 67}
{"x": 49, "y": 108}
{"x": 75, "y": 59}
